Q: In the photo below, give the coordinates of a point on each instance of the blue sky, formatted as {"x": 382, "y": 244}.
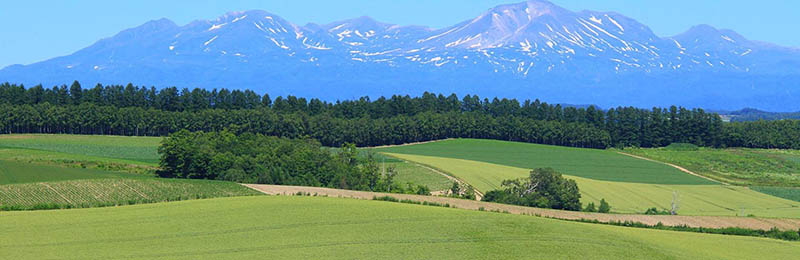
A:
{"x": 35, "y": 30}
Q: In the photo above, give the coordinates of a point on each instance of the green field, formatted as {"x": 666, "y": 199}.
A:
{"x": 588, "y": 163}
{"x": 783, "y": 192}
{"x": 738, "y": 166}
{"x": 143, "y": 150}
{"x": 281, "y": 227}
{"x": 71, "y": 171}
{"x": 713, "y": 200}
{"x": 19, "y": 172}
{"x": 112, "y": 192}
{"x": 418, "y": 175}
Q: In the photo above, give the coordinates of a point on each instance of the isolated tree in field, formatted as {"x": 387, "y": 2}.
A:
{"x": 544, "y": 188}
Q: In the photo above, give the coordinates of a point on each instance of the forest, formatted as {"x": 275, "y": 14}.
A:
{"x": 141, "y": 111}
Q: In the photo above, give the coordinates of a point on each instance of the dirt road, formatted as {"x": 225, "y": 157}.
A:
{"x": 692, "y": 221}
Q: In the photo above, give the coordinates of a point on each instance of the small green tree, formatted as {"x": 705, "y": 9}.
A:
{"x": 470, "y": 193}
{"x": 455, "y": 190}
{"x": 590, "y": 207}
{"x": 604, "y": 207}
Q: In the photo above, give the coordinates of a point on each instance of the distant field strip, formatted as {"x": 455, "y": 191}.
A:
{"x": 712, "y": 200}
{"x": 20, "y": 172}
{"x": 759, "y": 167}
{"x": 111, "y": 192}
{"x": 587, "y": 163}
{"x": 139, "y": 149}
{"x": 693, "y": 221}
{"x": 291, "y": 227}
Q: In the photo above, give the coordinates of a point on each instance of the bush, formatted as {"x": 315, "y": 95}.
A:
{"x": 604, "y": 207}
{"x": 655, "y": 211}
{"x": 590, "y": 207}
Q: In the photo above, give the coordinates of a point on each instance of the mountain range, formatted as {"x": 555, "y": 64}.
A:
{"x": 528, "y": 50}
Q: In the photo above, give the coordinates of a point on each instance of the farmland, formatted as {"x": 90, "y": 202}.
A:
{"x": 112, "y": 192}
{"x": 136, "y": 149}
{"x": 760, "y": 167}
{"x": 68, "y": 171}
{"x": 19, "y": 172}
{"x": 280, "y": 226}
{"x": 713, "y": 200}
{"x": 587, "y": 163}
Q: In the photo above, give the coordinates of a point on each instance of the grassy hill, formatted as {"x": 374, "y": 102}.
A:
{"x": 138, "y": 149}
{"x": 112, "y": 192}
{"x": 714, "y": 200}
{"x": 71, "y": 171}
{"x": 588, "y": 163}
{"x": 740, "y": 166}
{"x": 315, "y": 227}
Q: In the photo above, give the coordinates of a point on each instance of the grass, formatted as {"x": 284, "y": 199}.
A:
{"x": 418, "y": 175}
{"x": 595, "y": 164}
{"x": 112, "y": 192}
{"x": 12, "y": 172}
{"x": 711, "y": 200}
{"x": 783, "y": 192}
{"x": 297, "y": 227}
{"x": 143, "y": 150}
{"x": 759, "y": 167}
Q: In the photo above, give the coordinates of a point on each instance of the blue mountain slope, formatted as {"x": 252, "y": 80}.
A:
{"x": 531, "y": 50}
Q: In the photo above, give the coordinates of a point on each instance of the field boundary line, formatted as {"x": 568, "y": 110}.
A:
{"x": 667, "y": 220}
{"x": 675, "y": 166}
{"x": 56, "y": 191}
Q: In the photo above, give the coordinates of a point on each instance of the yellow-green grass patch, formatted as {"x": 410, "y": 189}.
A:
{"x": 280, "y": 227}
{"x": 711, "y": 200}
{"x": 587, "y": 163}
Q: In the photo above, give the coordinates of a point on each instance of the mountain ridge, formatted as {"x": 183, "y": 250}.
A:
{"x": 530, "y": 49}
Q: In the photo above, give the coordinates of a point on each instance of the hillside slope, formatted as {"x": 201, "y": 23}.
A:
{"x": 282, "y": 227}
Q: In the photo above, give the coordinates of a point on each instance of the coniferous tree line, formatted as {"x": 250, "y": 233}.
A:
{"x": 132, "y": 110}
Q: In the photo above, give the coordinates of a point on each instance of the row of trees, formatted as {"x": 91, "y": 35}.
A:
{"x": 133, "y": 110}
{"x": 255, "y": 158}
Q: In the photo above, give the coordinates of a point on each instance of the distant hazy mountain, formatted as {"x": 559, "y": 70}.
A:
{"x": 527, "y": 50}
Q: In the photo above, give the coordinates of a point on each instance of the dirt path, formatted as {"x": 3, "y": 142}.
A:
{"x": 674, "y": 166}
{"x": 692, "y": 221}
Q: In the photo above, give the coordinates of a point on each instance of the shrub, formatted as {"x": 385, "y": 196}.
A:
{"x": 604, "y": 207}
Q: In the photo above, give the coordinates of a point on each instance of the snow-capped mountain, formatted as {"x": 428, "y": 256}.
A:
{"x": 531, "y": 50}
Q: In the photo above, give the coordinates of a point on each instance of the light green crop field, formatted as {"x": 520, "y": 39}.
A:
{"x": 740, "y": 166}
{"x": 112, "y": 192}
{"x": 139, "y": 149}
{"x": 418, "y": 175}
{"x": 711, "y": 200}
{"x": 21, "y": 172}
{"x": 595, "y": 164}
{"x": 284, "y": 227}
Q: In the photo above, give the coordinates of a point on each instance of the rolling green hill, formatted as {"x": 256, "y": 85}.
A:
{"x": 713, "y": 200}
{"x": 282, "y": 227}
{"x": 741, "y": 166}
{"x": 594, "y": 164}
